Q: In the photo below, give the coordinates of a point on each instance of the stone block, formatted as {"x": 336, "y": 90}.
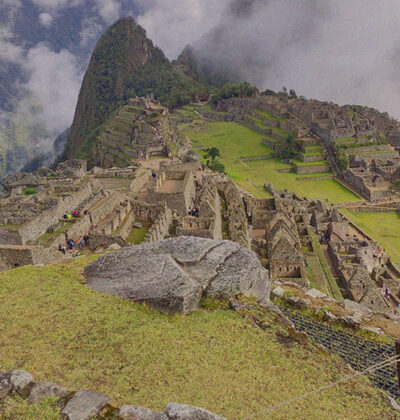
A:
{"x": 133, "y": 412}
{"x": 84, "y": 405}
{"x": 278, "y": 292}
{"x": 315, "y": 294}
{"x": 42, "y": 390}
{"x": 20, "y": 381}
{"x": 176, "y": 411}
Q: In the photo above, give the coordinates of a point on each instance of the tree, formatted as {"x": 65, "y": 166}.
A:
{"x": 292, "y": 93}
{"x": 288, "y": 150}
{"x": 213, "y": 153}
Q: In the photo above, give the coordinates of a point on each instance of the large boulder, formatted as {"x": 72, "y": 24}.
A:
{"x": 15, "y": 183}
{"x": 73, "y": 168}
{"x": 172, "y": 275}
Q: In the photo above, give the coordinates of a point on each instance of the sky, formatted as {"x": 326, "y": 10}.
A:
{"x": 342, "y": 51}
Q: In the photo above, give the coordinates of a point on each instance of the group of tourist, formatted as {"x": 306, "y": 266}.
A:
{"x": 71, "y": 243}
{"x": 195, "y": 211}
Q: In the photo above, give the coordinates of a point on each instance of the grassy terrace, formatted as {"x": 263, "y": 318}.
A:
{"x": 316, "y": 163}
{"x": 235, "y": 140}
{"x": 61, "y": 331}
{"x": 382, "y": 227}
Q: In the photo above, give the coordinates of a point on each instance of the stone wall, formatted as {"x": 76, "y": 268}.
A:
{"x": 12, "y": 256}
{"x": 38, "y": 226}
{"x": 312, "y": 169}
{"x": 160, "y": 227}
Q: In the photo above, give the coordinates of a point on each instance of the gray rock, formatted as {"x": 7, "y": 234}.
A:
{"x": 375, "y": 330}
{"x": 354, "y": 320}
{"x": 278, "y": 292}
{"x": 316, "y": 294}
{"x": 350, "y": 305}
{"x": 330, "y": 317}
{"x": 172, "y": 275}
{"x": 133, "y": 412}
{"x": 137, "y": 225}
{"x": 5, "y": 385}
{"x": 298, "y": 302}
{"x": 74, "y": 168}
{"x": 20, "y": 180}
{"x": 20, "y": 381}
{"x": 42, "y": 390}
{"x": 84, "y": 405}
{"x": 176, "y": 411}
{"x": 114, "y": 247}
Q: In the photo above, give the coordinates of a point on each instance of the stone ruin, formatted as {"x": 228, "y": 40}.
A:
{"x": 325, "y": 133}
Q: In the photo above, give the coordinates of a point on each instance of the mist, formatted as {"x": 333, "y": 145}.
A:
{"x": 345, "y": 52}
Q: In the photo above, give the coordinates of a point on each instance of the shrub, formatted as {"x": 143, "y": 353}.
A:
{"x": 29, "y": 191}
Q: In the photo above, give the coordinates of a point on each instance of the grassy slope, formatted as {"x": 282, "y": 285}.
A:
{"x": 235, "y": 140}
{"x": 61, "y": 331}
{"x": 383, "y": 227}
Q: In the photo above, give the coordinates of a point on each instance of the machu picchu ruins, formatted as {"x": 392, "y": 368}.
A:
{"x": 196, "y": 238}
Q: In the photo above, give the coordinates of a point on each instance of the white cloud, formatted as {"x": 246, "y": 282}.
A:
{"x": 91, "y": 29}
{"x": 9, "y": 52}
{"x": 54, "y": 81}
{"x": 172, "y": 24}
{"x": 56, "y": 4}
{"x": 109, "y": 10}
{"x": 45, "y": 19}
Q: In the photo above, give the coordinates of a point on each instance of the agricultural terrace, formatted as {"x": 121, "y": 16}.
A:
{"x": 382, "y": 227}
{"x": 59, "y": 330}
{"x": 236, "y": 141}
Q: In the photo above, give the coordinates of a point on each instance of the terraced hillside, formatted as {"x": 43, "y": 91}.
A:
{"x": 249, "y": 159}
{"x": 137, "y": 130}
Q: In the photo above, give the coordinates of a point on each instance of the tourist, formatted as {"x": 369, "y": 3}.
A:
{"x": 154, "y": 175}
{"x": 79, "y": 242}
{"x": 62, "y": 248}
{"x": 75, "y": 213}
{"x": 86, "y": 239}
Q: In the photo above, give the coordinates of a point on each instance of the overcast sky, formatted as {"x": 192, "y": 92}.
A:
{"x": 344, "y": 51}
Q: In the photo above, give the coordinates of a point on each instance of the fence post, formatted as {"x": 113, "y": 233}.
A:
{"x": 398, "y": 360}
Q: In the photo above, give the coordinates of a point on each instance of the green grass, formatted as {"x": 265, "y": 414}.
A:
{"x": 137, "y": 236}
{"x": 268, "y": 115}
{"x": 382, "y": 227}
{"x": 331, "y": 285}
{"x": 316, "y": 163}
{"x": 61, "y": 331}
{"x": 235, "y": 140}
{"x": 16, "y": 408}
{"x": 315, "y": 274}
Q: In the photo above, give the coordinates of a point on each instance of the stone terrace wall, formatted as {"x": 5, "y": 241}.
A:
{"x": 312, "y": 169}
{"x": 38, "y": 226}
{"x": 160, "y": 228}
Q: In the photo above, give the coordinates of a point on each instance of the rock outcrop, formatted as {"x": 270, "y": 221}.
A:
{"x": 173, "y": 275}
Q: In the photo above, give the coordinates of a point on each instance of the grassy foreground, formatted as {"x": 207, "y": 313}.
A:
{"x": 382, "y": 227}
{"x": 59, "y": 330}
{"x": 236, "y": 141}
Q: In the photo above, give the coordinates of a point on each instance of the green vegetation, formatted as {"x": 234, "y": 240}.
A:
{"x": 331, "y": 284}
{"x": 124, "y": 64}
{"x": 29, "y": 191}
{"x": 47, "y": 238}
{"x": 17, "y": 408}
{"x": 137, "y": 235}
{"x": 61, "y": 331}
{"x": 315, "y": 274}
{"x": 214, "y": 164}
{"x": 234, "y": 90}
{"x": 382, "y": 227}
{"x": 235, "y": 141}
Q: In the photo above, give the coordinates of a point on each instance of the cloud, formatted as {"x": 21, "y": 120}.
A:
{"x": 346, "y": 52}
{"x": 56, "y": 4}
{"x": 172, "y": 24}
{"x": 91, "y": 29}
{"x": 9, "y": 52}
{"x": 54, "y": 80}
{"x": 109, "y": 10}
{"x": 45, "y": 19}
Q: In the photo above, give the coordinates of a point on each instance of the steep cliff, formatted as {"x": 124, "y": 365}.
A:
{"x": 124, "y": 64}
